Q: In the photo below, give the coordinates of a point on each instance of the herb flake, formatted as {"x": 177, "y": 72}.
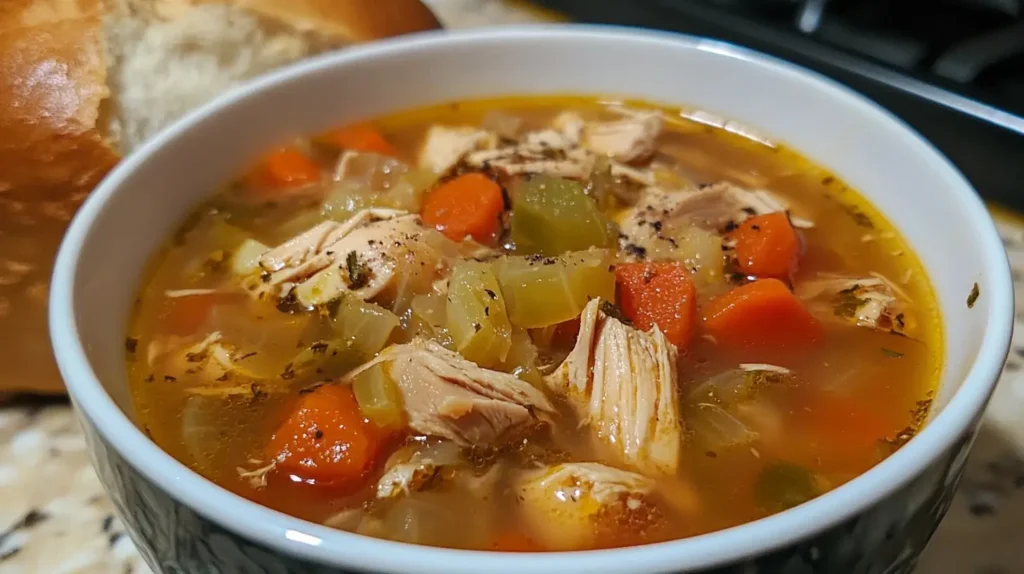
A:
{"x": 892, "y": 354}
{"x": 358, "y": 272}
{"x": 972, "y": 298}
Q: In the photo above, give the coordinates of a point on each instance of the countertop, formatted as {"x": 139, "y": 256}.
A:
{"x": 56, "y": 519}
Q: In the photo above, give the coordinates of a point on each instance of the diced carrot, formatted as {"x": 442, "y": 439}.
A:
{"x": 513, "y": 541}
{"x": 767, "y": 246}
{"x": 659, "y": 294}
{"x": 361, "y": 136}
{"x": 470, "y": 204}
{"x": 327, "y": 441}
{"x": 186, "y": 315}
{"x": 285, "y": 167}
{"x": 762, "y": 314}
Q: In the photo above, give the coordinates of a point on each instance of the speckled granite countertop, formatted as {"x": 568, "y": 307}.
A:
{"x": 56, "y": 519}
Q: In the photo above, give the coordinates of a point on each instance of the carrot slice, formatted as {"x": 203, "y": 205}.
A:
{"x": 285, "y": 167}
{"x": 470, "y": 204}
{"x": 659, "y": 294}
{"x": 767, "y": 246}
{"x": 761, "y": 314}
{"x": 186, "y": 315}
{"x": 327, "y": 441}
{"x": 361, "y": 136}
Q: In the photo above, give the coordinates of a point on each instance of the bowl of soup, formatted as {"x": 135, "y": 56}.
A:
{"x": 545, "y": 299}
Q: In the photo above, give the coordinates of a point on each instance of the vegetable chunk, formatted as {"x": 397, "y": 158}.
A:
{"x": 659, "y": 294}
{"x": 762, "y": 314}
{"x": 470, "y": 204}
{"x": 327, "y": 440}
{"x": 551, "y": 215}
{"x": 767, "y": 246}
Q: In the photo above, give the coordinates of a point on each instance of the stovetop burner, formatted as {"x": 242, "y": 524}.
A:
{"x": 954, "y": 69}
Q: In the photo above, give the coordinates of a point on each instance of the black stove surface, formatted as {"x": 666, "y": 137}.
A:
{"x": 953, "y": 69}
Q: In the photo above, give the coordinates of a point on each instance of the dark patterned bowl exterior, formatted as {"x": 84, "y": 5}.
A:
{"x": 886, "y": 538}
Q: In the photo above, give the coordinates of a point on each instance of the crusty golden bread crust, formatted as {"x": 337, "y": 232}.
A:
{"x": 354, "y": 20}
{"x": 53, "y": 83}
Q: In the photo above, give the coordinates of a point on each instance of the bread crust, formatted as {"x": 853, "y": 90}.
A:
{"x": 353, "y": 20}
{"x": 53, "y": 84}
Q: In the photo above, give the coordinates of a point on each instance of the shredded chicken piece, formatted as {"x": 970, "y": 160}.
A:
{"x": 571, "y": 504}
{"x": 423, "y": 473}
{"x": 643, "y": 176}
{"x": 407, "y": 477}
{"x": 873, "y": 302}
{"x": 504, "y": 125}
{"x": 756, "y": 367}
{"x": 213, "y": 361}
{"x": 622, "y": 382}
{"x": 529, "y": 158}
{"x": 445, "y": 146}
{"x": 366, "y": 256}
{"x": 445, "y": 395}
{"x": 180, "y": 293}
{"x": 570, "y": 125}
{"x": 659, "y": 213}
{"x": 631, "y": 139}
{"x": 256, "y": 478}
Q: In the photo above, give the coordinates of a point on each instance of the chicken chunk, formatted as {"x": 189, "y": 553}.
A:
{"x": 622, "y": 382}
{"x": 449, "y": 397}
{"x": 659, "y": 213}
{"x": 570, "y": 125}
{"x": 872, "y": 302}
{"x": 407, "y": 477}
{"x": 573, "y": 505}
{"x": 210, "y": 367}
{"x": 445, "y": 146}
{"x": 534, "y": 157}
{"x": 434, "y": 467}
{"x": 368, "y": 256}
{"x": 631, "y": 139}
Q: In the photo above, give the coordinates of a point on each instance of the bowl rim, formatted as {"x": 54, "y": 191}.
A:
{"x": 320, "y": 544}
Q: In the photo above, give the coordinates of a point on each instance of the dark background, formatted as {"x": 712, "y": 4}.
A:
{"x": 953, "y": 69}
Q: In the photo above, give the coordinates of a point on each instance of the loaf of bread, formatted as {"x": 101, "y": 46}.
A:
{"x": 83, "y": 82}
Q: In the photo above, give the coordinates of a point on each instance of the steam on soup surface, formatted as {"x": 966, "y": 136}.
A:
{"x": 534, "y": 324}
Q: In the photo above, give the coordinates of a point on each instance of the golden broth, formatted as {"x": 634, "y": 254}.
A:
{"x": 848, "y": 403}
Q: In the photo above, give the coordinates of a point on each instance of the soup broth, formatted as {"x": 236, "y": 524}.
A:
{"x": 534, "y": 324}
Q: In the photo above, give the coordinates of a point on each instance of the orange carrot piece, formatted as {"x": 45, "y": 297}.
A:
{"x": 470, "y": 204}
{"x": 760, "y": 314}
{"x": 659, "y": 294}
{"x": 285, "y": 167}
{"x": 361, "y": 136}
{"x": 767, "y": 246}
{"x": 186, "y": 315}
{"x": 327, "y": 441}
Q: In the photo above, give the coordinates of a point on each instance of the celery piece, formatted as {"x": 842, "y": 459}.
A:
{"x": 246, "y": 258}
{"x": 476, "y": 315}
{"x": 322, "y": 360}
{"x": 428, "y": 317}
{"x": 522, "y": 358}
{"x": 378, "y": 397}
{"x": 363, "y": 326}
{"x": 551, "y": 216}
{"x": 543, "y": 291}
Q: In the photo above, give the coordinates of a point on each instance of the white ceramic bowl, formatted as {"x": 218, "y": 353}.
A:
{"x": 878, "y": 522}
